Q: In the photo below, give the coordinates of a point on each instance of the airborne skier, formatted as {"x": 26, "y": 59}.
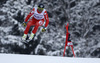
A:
{"x": 38, "y": 15}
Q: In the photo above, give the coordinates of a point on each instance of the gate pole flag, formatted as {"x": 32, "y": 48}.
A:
{"x": 68, "y": 41}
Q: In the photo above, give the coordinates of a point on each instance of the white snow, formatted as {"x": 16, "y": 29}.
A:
{"x": 14, "y": 58}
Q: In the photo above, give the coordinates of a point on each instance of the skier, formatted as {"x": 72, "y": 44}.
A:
{"x": 38, "y": 15}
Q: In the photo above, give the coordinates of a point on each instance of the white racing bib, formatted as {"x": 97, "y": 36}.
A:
{"x": 37, "y": 15}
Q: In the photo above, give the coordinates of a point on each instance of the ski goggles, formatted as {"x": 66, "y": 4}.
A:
{"x": 40, "y": 8}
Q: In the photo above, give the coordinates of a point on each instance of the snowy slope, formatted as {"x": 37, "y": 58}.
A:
{"x": 12, "y": 58}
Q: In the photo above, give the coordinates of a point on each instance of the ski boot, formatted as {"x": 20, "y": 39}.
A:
{"x": 24, "y": 37}
{"x": 31, "y": 36}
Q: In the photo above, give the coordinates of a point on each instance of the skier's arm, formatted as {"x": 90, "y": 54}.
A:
{"x": 46, "y": 18}
{"x": 29, "y": 15}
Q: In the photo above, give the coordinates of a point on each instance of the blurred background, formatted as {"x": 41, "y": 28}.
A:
{"x": 84, "y": 26}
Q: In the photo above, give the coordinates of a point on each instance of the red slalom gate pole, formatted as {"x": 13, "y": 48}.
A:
{"x": 66, "y": 38}
{"x": 64, "y": 50}
{"x": 73, "y": 51}
{"x": 66, "y": 44}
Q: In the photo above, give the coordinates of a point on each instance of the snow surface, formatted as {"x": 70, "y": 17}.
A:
{"x": 12, "y": 58}
{"x": 84, "y": 27}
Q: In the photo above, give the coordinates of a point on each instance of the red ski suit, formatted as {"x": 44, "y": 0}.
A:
{"x": 37, "y": 20}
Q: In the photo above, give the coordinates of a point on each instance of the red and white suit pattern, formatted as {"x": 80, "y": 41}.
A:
{"x": 37, "y": 20}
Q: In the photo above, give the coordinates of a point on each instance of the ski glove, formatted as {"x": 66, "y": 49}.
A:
{"x": 44, "y": 29}
{"x": 24, "y": 24}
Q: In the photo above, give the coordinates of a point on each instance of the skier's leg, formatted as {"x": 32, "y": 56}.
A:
{"x": 38, "y": 23}
{"x": 29, "y": 24}
{"x": 26, "y": 30}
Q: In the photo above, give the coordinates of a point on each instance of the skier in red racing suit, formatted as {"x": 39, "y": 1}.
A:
{"x": 38, "y": 15}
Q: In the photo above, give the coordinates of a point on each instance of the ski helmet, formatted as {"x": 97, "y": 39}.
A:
{"x": 41, "y": 6}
